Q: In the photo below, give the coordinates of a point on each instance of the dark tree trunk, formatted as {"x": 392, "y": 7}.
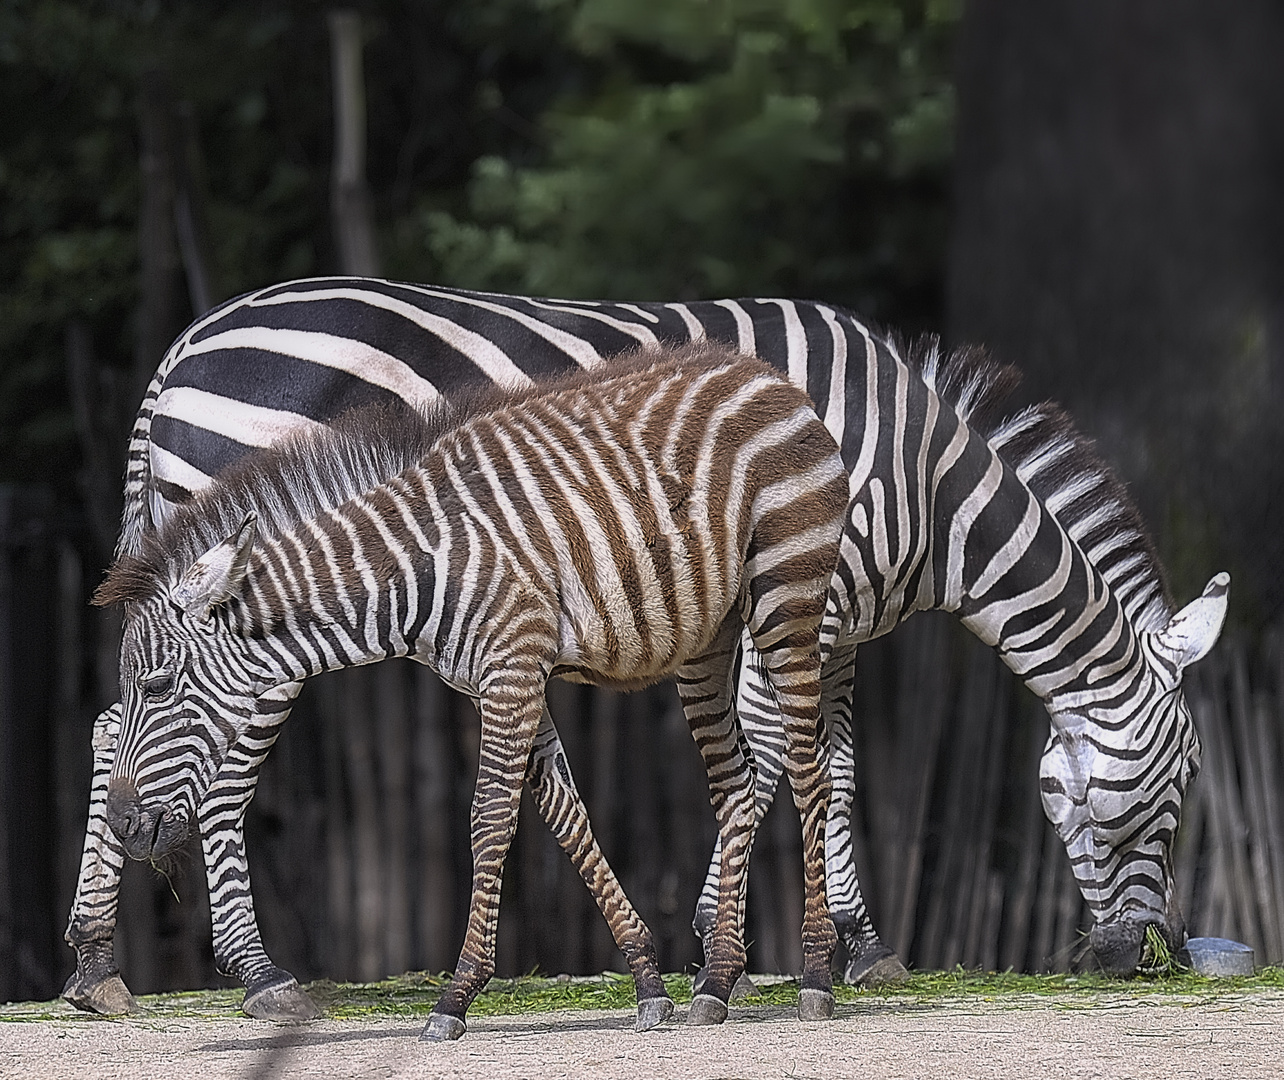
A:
{"x": 1118, "y": 237}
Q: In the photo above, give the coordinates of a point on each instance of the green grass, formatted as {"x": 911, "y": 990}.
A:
{"x": 413, "y": 995}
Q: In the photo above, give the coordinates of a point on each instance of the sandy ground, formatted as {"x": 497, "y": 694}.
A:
{"x": 1028, "y": 1037}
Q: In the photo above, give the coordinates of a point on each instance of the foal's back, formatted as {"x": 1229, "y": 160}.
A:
{"x": 649, "y": 503}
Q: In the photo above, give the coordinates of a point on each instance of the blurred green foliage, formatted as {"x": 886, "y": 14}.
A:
{"x": 619, "y": 148}
{"x": 728, "y": 147}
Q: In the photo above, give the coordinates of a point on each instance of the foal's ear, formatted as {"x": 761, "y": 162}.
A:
{"x": 1194, "y": 630}
{"x": 216, "y": 575}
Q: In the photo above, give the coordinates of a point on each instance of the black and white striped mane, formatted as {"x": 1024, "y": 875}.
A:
{"x": 318, "y": 469}
{"x": 1061, "y": 467}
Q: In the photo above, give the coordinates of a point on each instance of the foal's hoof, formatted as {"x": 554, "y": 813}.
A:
{"x": 442, "y": 1027}
{"x": 108, "y": 996}
{"x": 815, "y": 1005}
{"x": 706, "y": 1009}
{"x": 652, "y": 1012}
{"x": 282, "y": 1000}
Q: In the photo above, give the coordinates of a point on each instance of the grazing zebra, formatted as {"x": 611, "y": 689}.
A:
{"x": 295, "y": 355}
{"x": 613, "y": 531}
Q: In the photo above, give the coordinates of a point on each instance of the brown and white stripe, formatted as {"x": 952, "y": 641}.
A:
{"x": 612, "y": 530}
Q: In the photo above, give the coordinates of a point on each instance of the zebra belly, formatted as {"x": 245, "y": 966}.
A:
{"x": 624, "y": 645}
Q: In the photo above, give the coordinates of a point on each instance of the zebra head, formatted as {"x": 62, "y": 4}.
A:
{"x": 1113, "y": 775}
{"x": 189, "y": 688}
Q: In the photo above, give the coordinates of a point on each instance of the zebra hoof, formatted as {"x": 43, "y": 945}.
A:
{"x": 108, "y": 996}
{"x": 815, "y": 1005}
{"x": 706, "y": 1009}
{"x": 442, "y": 1027}
{"x": 885, "y": 971}
{"x": 283, "y": 1000}
{"x": 652, "y": 1012}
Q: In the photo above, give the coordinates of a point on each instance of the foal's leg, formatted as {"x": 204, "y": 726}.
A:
{"x": 559, "y": 802}
{"x": 510, "y": 702}
{"x": 271, "y": 993}
{"x": 706, "y": 688}
{"x": 790, "y": 649}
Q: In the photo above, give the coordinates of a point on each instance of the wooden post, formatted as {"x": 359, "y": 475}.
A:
{"x": 349, "y": 195}
{"x": 8, "y": 957}
{"x": 392, "y": 726}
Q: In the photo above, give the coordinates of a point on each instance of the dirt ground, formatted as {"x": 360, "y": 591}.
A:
{"x": 1231, "y": 1036}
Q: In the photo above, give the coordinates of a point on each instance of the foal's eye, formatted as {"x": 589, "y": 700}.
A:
{"x": 158, "y": 686}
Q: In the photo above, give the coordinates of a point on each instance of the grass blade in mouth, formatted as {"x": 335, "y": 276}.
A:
{"x": 1156, "y": 957}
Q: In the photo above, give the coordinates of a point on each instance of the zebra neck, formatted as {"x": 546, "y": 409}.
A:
{"x": 1034, "y": 595}
{"x": 347, "y": 588}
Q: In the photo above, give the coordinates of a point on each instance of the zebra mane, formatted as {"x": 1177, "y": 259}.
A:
{"x": 320, "y": 468}
{"x": 303, "y": 475}
{"x": 973, "y": 384}
{"x": 1061, "y": 466}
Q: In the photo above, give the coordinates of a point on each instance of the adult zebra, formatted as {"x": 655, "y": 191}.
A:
{"x": 297, "y": 354}
{"x": 611, "y": 529}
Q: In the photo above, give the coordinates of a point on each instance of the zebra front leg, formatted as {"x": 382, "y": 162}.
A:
{"x": 560, "y": 805}
{"x": 705, "y": 687}
{"x": 96, "y": 985}
{"x": 271, "y": 993}
{"x": 870, "y": 962}
{"x": 510, "y": 708}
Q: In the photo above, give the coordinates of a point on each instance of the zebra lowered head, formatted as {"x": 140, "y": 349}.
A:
{"x": 1114, "y": 773}
{"x": 1104, "y": 648}
{"x": 185, "y": 733}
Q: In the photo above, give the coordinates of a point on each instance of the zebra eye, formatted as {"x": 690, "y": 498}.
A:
{"x": 158, "y": 686}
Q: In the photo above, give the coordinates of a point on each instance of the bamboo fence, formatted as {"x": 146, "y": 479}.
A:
{"x": 358, "y": 836}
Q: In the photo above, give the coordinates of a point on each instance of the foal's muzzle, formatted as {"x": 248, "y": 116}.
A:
{"x": 146, "y": 831}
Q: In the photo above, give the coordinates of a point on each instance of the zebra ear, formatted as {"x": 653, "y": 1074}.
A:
{"x": 1194, "y": 630}
{"x": 215, "y": 576}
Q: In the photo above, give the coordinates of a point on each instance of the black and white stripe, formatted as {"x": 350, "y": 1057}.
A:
{"x": 297, "y": 354}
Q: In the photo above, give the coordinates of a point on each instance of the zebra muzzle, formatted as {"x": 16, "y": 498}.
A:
{"x": 145, "y": 831}
{"x": 1117, "y": 945}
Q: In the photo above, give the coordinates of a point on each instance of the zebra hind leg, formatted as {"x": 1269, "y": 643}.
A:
{"x": 764, "y": 747}
{"x": 560, "y": 805}
{"x": 870, "y": 962}
{"x": 96, "y": 986}
{"x": 789, "y": 644}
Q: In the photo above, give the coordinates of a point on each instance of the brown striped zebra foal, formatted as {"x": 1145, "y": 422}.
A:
{"x": 612, "y": 530}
